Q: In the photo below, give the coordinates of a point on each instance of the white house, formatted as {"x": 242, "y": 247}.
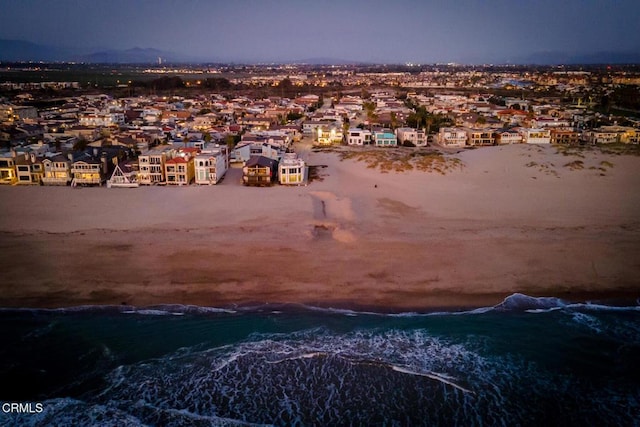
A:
{"x": 359, "y": 137}
{"x": 452, "y": 137}
{"x": 211, "y": 165}
{"x": 612, "y": 135}
{"x": 416, "y": 136}
{"x": 535, "y": 135}
{"x": 508, "y": 136}
{"x": 292, "y": 170}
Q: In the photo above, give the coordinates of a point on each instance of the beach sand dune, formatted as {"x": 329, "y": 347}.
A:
{"x": 511, "y": 219}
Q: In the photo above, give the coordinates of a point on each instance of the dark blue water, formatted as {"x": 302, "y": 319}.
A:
{"x": 525, "y": 362}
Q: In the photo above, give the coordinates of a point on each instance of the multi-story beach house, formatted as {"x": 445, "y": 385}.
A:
{"x": 612, "y": 135}
{"x": 508, "y": 136}
{"x": 565, "y": 136}
{"x": 152, "y": 164}
{"x": 57, "y": 170}
{"x": 180, "y": 170}
{"x": 535, "y": 135}
{"x": 291, "y": 170}
{"x": 601, "y": 136}
{"x": 260, "y": 171}
{"x": 452, "y": 137}
{"x": 328, "y": 135}
{"x": 29, "y": 169}
{"x": 415, "y": 136}
{"x": 211, "y": 165}
{"x": 359, "y": 137}
{"x": 384, "y": 138}
{"x": 93, "y": 167}
{"x": 480, "y": 137}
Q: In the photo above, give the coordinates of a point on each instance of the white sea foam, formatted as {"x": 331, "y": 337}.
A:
{"x": 270, "y": 369}
{"x": 543, "y": 310}
{"x": 514, "y": 302}
{"x": 431, "y": 375}
{"x": 317, "y": 376}
{"x": 603, "y": 307}
{"x": 522, "y": 302}
{"x": 149, "y": 312}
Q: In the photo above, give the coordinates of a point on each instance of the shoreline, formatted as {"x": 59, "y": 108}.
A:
{"x": 620, "y": 299}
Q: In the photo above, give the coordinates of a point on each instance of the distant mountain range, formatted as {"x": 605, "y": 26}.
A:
{"x": 21, "y": 50}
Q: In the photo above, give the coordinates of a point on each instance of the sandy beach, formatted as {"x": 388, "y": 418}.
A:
{"x": 510, "y": 219}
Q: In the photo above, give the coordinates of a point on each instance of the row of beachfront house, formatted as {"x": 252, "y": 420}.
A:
{"x": 90, "y": 167}
{"x": 205, "y": 164}
{"x": 96, "y": 166}
{"x": 461, "y": 137}
{"x": 327, "y": 133}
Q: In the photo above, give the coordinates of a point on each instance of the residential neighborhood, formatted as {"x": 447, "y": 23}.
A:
{"x": 98, "y": 139}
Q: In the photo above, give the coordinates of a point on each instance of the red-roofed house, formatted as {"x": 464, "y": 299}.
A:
{"x": 180, "y": 170}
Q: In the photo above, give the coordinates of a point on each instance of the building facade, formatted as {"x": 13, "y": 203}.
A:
{"x": 291, "y": 170}
{"x": 152, "y": 165}
{"x": 452, "y": 137}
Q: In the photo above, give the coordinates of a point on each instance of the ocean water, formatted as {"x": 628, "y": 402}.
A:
{"x": 527, "y": 361}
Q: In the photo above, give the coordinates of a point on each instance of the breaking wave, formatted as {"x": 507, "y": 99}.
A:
{"x": 527, "y": 360}
{"x": 316, "y": 377}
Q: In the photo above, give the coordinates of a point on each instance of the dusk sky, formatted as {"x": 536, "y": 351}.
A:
{"x": 373, "y": 31}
